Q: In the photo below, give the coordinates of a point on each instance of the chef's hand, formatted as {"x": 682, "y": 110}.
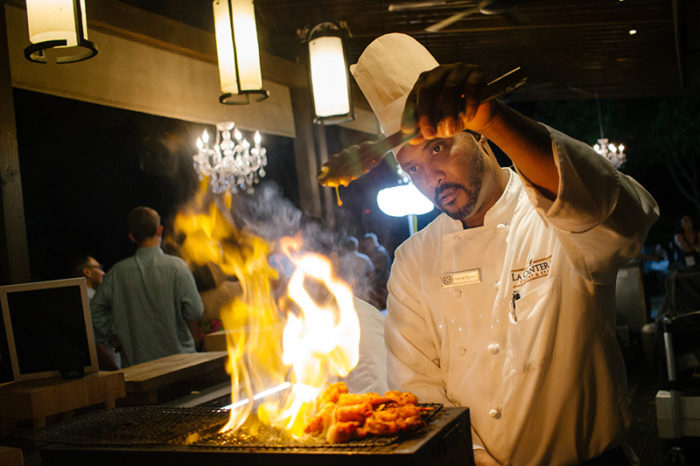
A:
{"x": 482, "y": 458}
{"x": 445, "y": 101}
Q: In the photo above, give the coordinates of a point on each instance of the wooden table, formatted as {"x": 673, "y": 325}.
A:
{"x": 143, "y": 381}
{"x": 35, "y": 400}
{"x": 215, "y": 341}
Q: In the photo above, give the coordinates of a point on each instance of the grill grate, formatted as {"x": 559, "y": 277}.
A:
{"x": 148, "y": 425}
{"x": 191, "y": 427}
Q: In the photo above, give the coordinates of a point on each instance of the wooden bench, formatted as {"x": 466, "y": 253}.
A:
{"x": 144, "y": 381}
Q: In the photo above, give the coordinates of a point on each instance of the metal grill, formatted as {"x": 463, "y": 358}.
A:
{"x": 190, "y": 427}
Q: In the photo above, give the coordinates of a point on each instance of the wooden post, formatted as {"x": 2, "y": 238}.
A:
{"x": 305, "y": 152}
{"x": 14, "y": 254}
{"x": 327, "y": 197}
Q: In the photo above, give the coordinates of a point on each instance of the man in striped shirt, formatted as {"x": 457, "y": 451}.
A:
{"x": 149, "y": 300}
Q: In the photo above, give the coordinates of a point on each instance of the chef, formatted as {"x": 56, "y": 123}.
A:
{"x": 505, "y": 303}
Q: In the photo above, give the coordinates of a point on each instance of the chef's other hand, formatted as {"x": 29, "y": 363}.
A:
{"x": 482, "y": 458}
{"x": 444, "y": 101}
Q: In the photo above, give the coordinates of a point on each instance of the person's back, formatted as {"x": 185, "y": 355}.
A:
{"x": 379, "y": 256}
{"x": 382, "y": 266}
{"x": 148, "y": 298}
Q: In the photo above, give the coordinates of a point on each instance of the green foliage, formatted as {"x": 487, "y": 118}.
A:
{"x": 677, "y": 127}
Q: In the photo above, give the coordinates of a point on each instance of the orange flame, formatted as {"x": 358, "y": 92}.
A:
{"x": 319, "y": 343}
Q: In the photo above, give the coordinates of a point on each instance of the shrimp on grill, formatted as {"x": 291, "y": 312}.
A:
{"x": 402, "y": 398}
{"x": 344, "y": 416}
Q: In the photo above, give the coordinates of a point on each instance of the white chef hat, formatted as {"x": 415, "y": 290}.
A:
{"x": 386, "y": 72}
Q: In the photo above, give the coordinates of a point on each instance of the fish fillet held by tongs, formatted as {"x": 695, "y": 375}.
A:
{"x": 354, "y": 161}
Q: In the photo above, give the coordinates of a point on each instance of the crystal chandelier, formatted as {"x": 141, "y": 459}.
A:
{"x": 615, "y": 153}
{"x": 230, "y": 164}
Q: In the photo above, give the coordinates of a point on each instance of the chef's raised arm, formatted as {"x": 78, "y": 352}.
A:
{"x": 446, "y": 101}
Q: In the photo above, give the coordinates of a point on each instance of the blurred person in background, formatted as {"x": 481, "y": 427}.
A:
{"x": 149, "y": 299}
{"x": 108, "y": 356}
{"x": 686, "y": 245}
{"x": 88, "y": 267}
{"x": 217, "y": 291}
{"x": 382, "y": 265}
{"x": 355, "y": 268}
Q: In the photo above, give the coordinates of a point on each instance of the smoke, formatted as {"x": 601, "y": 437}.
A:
{"x": 268, "y": 214}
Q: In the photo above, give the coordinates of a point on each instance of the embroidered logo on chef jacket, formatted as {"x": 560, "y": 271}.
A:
{"x": 465, "y": 277}
{"x": 536, "y": 268}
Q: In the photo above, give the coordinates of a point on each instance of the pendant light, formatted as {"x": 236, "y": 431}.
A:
{"x": 59, "y": 26}
{"x": 238, "y": 53}
{"x": 328, "y": 69}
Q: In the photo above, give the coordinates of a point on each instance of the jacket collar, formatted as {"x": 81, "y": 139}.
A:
{"x": 149, "y": 251}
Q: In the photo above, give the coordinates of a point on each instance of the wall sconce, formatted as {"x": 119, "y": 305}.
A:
{"x": 59, "y": 26}
{"x": 237, "y": 49}
{"x": 328, "y": 68}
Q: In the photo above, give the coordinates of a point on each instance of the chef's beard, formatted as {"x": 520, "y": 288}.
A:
{"x": 472, "y": 193}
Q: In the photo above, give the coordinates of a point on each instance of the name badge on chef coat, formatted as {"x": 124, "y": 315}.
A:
{"x": 465, "y": 277}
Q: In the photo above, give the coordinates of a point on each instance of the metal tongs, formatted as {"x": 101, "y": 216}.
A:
{"x": 354, "y": 161}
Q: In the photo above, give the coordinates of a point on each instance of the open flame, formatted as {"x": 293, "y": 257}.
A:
{"x": 321, "y": 342}
{"x": 272, "y": 347}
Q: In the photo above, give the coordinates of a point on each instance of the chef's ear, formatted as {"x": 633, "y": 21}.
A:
{"x": 483, "y": 143}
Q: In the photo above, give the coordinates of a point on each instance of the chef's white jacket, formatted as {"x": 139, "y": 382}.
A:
{"x": 369, "y": 375}
{"x": 516, "y": 319}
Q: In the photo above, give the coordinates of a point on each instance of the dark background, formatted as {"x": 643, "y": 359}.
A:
{"x": 85, "y": 166}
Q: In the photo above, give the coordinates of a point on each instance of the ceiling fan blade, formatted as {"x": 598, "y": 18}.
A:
{"x": 497, "y": 7}
{"x": 439, "y": 26}
{"x": 416, "y": 5}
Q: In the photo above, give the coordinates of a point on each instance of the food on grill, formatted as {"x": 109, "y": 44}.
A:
{"x": 343, "y": 416}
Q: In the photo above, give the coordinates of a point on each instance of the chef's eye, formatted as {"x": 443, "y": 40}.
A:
{"x": 412, "y": 170}
{"x": 437, "y": 148}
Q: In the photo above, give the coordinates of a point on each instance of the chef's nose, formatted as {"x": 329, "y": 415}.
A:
{"x": 437, "y": 177}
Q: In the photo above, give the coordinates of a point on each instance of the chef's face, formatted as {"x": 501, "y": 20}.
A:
{"x": 448, "y": 171}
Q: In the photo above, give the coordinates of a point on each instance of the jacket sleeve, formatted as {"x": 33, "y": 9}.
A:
{"x": 600, "y": 215}
{"x": 412, "y": 348}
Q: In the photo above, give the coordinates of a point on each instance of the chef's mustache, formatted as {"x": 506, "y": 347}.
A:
{"x": 440, "y": 189}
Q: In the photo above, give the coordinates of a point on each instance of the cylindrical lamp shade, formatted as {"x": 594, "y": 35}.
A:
{"x": 237, "y": 50}
{"x": 329, "y": 76}
{"x": 59, "y": 24}
{"x": 54, "y": 20}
